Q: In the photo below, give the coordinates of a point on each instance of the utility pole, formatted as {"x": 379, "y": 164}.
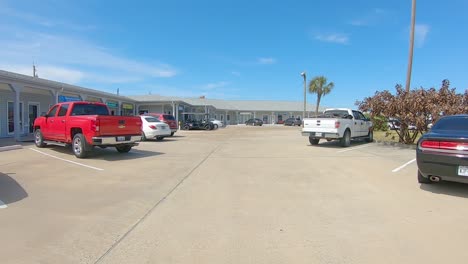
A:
{"x": 410, "y": 57}
{"x": 303, "y": 74}
{"x": 34, "y": 70}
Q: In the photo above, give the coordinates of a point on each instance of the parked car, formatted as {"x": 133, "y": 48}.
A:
{"x": 442, "y": 153}
{"x": 85, "y": 125}
{"x": 217, "y": 123}
{"x": 168, "y": 119}
{"x": 293, "y": 122}
{"x": 153, "y": 128}
{"x": 393, "y": 124}
{"x": 338, "y": 124}
{"x": 197, "y": 125}
{"x": 254, "y": 122}
{"x": 280, "y": 122}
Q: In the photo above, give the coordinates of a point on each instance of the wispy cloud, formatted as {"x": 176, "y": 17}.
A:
{"x": 216, "y": 85}
{"x": 333, "y": 38}
{"x": 267, "y": 60}
{"x": 73, "y": 59}
{"x": 420, "y": 34}
{"x": 371, "y": 18}
{"x": 37, "y": 20}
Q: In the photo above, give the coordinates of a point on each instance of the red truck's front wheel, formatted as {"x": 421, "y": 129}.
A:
{"x": 39, "y": 139}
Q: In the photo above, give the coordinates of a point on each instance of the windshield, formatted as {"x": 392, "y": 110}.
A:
{"x": 452, "y": 123}
{"x": 152, "y": 119}
{"x": 336, "y": 113}
{"x": 89, "y": 109}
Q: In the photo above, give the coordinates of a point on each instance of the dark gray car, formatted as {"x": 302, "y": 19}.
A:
{"x": 293, "y": 122}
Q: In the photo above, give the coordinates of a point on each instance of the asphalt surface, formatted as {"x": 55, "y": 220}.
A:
{"x": 234, "y": 195}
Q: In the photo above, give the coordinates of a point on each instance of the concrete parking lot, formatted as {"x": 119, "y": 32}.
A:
{"x": 234, "y": 195}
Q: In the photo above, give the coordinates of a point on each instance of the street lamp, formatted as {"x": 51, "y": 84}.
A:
{"x": 303, "y": 74}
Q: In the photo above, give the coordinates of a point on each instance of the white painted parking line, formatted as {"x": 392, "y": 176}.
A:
{"x": 74, "y": 162}
{"x": 2, "y": 205}
{"x": 349, "y": 149}
{"x": 404, "y": 165}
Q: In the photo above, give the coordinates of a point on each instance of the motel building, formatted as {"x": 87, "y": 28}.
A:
{"x": 23, "y": 98}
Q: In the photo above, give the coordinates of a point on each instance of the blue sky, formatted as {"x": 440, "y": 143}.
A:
{"x": 236, "y": 49}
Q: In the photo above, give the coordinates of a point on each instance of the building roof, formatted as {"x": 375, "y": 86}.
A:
{"x": 36, "y": 81}
{"x": 232, "y": 105}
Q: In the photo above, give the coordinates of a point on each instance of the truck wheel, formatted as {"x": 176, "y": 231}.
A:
{"x": 124, "y": 148}
{"x": 314, "y": 141}
{"x": 215, "y": 126}
{"x": 370, "y": 136}
{"x": 186, "y": 127}
{"x": 79, "y": 146}
{"x": 345, "y": 141}
{"x": 143, "y": 136}
{"x": 39, "y": 139}
{"x": 421, "y": 179}
{"x": 207, "y": 127}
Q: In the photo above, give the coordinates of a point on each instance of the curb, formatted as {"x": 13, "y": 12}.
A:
{"x": 395, "y": 144}
{"x": 12, "y": 147}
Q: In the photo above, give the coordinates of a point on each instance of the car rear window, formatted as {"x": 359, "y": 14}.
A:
{"x": 168, "y": 117}
{"x": 452, "y": 123}
{"x": 89, "y": 109}
{"x": 152, "y": 119}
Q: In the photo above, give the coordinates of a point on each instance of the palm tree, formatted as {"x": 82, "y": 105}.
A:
{"x": 319, "y": 86}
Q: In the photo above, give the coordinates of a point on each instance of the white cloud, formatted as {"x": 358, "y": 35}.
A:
{"x": 212, "y": 86}
{"x": 70, "y": 58}
{"x": 48, "y": 72}
{"x": 268, "y": 60}
{"x": 333, "y": 38}
{"x": 420, "y": 34}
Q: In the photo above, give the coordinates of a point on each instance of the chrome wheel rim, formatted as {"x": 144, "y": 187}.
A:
{"x": 38, "y": 138}
{"x": 77, "y": 145}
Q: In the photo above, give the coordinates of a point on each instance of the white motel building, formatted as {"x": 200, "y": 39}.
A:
{"x": 23, "y": 98}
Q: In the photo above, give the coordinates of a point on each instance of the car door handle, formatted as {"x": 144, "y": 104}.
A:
{"x": 63, "y": 121}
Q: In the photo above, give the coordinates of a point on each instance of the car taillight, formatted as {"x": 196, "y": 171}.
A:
{"x": 450, "y": 145}
{"x": 95, "y": 125}
{"x": 337, "y": 124}
{"x": 153, "y": 127}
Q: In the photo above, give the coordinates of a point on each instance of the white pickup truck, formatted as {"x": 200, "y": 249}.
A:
{"x": 338, "y": 124}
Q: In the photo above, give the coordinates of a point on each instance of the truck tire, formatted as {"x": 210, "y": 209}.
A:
{"x": 79, "y": 146}
{"x": 215, "y": 126}
{"x": 39, "y": 139}
{"x": 314, "y": 141}
{"x": 421, "y": 179}
{"x": 345, "y": 141}
{"x": 207, "y": 127}
{"x": 124, "y": 148}
{"x": 370, "y": 136}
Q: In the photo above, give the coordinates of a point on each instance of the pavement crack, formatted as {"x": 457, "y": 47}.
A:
{"x": 116, "y": 243}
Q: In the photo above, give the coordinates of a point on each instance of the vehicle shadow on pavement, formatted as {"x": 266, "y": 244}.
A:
{"x": 10, "y": 190}
{"x": 447, "y": 188}
{"x": 109, "y": 154}
{"x": 336, "y": 144}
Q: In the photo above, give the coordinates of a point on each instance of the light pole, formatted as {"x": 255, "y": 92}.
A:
{"x": 410, "y": 56}
{"x": 303, "y": 74}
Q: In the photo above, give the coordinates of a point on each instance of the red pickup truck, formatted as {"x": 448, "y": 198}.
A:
{"x": 85, "y": 125}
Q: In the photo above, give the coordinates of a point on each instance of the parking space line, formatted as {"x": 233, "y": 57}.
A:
{"x": 404, "y": 165}
{"x": 349, "y": 149}
{"x": 2, "y": 205}
{"x": 74, "y": 162}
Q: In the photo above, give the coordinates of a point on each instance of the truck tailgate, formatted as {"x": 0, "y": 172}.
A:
{"x": 119, "y": 125}
{"x": 319, "y": 125}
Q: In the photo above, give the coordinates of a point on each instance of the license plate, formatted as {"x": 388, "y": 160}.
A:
{"x": 463, "y": 170}
{"x": 318, "y": 134}
{"x": 120, "y": 138}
